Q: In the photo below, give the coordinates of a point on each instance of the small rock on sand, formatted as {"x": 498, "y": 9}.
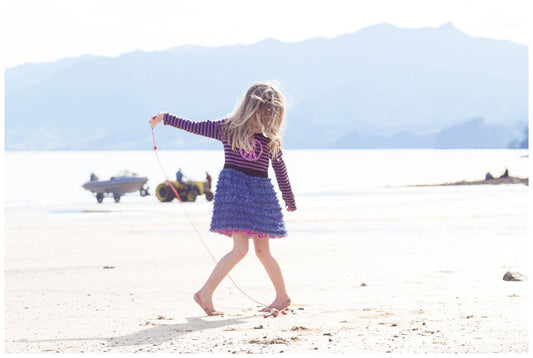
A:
{"x": 514, "y": 276}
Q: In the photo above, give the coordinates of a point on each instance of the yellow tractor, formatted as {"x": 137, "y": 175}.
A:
{"x": 187, "y": 190}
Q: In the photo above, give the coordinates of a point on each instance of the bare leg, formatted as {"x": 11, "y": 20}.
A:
{"x": 262, "y": 250}
{"x": 204, "y": 297}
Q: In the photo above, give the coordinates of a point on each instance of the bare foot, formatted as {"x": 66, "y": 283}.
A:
{"x": 208, "y": 311}
{"x": 277, "y": 304}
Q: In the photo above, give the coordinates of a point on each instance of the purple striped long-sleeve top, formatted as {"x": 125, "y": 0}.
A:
{"x": 253, "y": 163}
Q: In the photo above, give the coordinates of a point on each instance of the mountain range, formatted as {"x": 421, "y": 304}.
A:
{"x": 381, "y": 87}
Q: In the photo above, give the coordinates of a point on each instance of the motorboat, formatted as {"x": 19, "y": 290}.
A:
{"x": 118, "y": 185}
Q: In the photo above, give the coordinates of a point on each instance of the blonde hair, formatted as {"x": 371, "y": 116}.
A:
{"x": 263, "y": 103}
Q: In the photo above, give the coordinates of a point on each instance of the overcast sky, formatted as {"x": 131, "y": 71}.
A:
{"x": 47, "y": 30}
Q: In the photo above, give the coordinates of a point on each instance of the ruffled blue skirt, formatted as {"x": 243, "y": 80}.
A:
{"x": 246, "y": 204}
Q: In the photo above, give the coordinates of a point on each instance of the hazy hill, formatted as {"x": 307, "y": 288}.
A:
{"x": 412, "y": 87}
{"x": 473, "y": 133}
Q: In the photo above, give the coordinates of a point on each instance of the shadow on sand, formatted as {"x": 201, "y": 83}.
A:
{"x": 156, "y": 335}
{"x": 160, "y": 334}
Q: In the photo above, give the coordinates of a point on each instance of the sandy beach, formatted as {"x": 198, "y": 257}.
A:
{"x": 376, "y": 270}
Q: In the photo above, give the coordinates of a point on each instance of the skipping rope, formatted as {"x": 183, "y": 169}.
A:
{"x": 192, "y": 223}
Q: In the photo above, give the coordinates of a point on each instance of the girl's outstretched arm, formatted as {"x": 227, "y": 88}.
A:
{"x": 211, "y": 129}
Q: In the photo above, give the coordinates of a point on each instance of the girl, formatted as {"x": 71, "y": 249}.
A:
{"x": 245, "y": 204}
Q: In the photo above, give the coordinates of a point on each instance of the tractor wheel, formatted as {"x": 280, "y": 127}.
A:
{"x": 191, "y": 196}
{"x": 209, "y": 195}
{"x": 164, "y": 193}
{"x": 99, "y": 197}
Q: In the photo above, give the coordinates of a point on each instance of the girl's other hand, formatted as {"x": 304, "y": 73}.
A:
{"x": 156, "y": 120}
{"x": 290, "y": 209}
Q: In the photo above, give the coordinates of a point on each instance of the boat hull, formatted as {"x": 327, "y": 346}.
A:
{"x": 116, "y": 186}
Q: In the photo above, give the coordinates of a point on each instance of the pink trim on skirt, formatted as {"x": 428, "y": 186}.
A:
{"x": 249, "y": 233}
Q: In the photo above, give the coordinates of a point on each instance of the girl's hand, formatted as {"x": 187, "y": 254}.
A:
{"x": 156, "y": 120}
{"x": 290, "y": 209}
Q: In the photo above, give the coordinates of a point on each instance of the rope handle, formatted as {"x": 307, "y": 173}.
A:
{"x": 153, "y": 136}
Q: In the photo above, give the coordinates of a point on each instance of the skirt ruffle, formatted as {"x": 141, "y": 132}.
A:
{"x": 246, "y": 204}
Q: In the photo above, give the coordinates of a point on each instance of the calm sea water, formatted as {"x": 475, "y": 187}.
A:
{"x": 45, "y": 179}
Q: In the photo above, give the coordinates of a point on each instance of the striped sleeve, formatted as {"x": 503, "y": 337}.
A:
{"x": 206, "y": 128}
{"x": 283, "y": 181}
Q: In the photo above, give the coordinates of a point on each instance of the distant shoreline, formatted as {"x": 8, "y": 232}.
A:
{"x": 495, "y": 181}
